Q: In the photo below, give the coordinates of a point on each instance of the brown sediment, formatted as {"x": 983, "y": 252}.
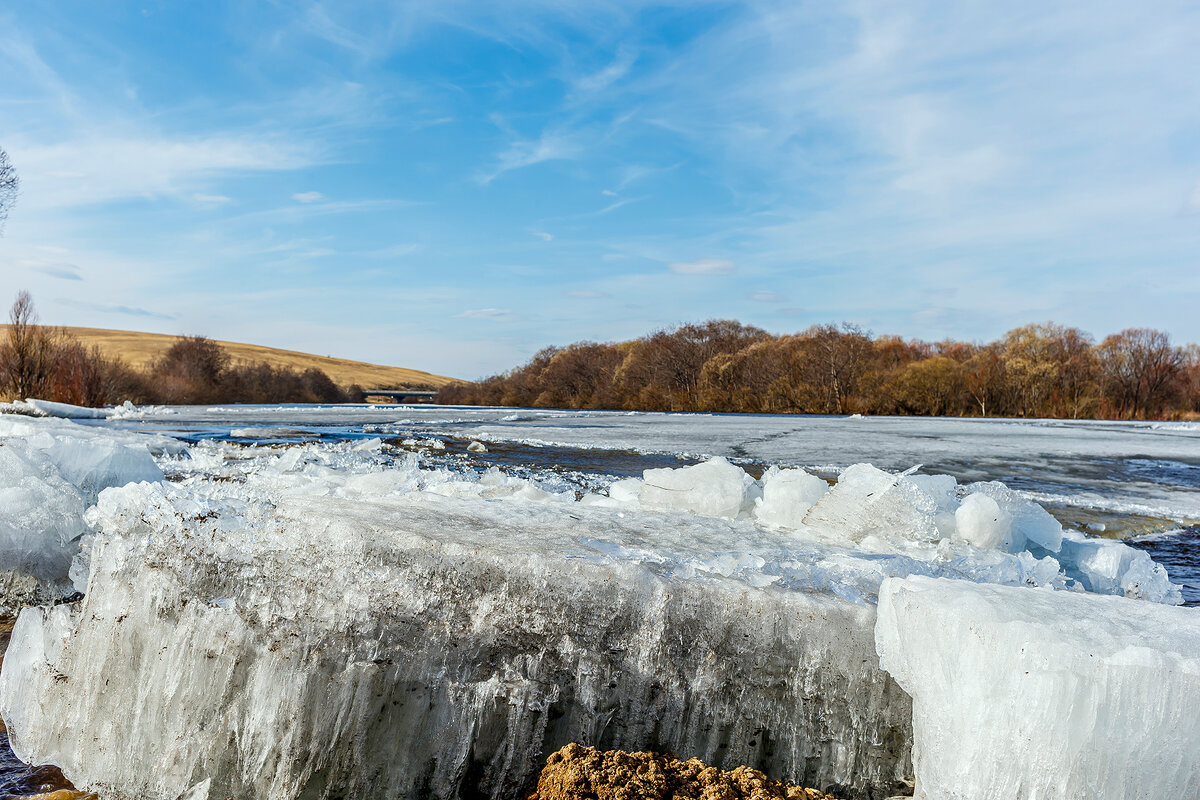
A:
{"x": 577, "y": 772}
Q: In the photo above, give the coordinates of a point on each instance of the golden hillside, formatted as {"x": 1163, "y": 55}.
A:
{"x": 139, "y": 349}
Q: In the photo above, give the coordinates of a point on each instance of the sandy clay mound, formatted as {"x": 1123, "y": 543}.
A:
{"x": 584, "y": 773}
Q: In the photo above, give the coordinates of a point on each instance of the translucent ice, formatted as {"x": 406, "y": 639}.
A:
{"x": 1110, "y": 567}
{"x": 420, "y": 645}
{"x": 1030, "y": 522}
{"x": 339, "y": 619}
{"x": 50, "y": 471}
{"x": 1053, "y": 695}
{"x": 715, "y": 488}
{"x": 787, "y": 495}
{"x": 66, "y": 410}
{"x": 868, "y": 500}
{"x": 980, "y": 521}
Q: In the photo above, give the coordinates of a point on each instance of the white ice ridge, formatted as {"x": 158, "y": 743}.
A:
{"x": 426, "y": 645}
{"x": 51, "y": 470}
{"x": 1044, "y": 694}
{"x": 981, "y": 531}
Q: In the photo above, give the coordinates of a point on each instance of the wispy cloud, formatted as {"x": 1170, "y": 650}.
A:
{"x": 396, "y": 250}
{"x": 95, "y": 169}
{"x": 602, "y": 79}
{"x": 485, "y": 313}
{"x": 67, "y": 272}
{"x": 703, "y": 266}
{"x": 917, "y": 166}
{"x": 104, "y": 308}
{"x": 550, "y": 146}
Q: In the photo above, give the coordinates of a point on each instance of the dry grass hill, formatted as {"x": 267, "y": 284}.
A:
{"x": 139, "y": 349}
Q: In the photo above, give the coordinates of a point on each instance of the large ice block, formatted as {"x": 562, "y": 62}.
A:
{"x": 1035, "y": 693}
{"x": 421, "y": 645}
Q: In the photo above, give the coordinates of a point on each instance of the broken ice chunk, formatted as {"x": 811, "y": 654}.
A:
{"x": 714, "y": 488}
{"x": 1029, "y": 520}
{"x": 1112, "y": 567}
{"x": 867, "y": 499}
{"x": 981, "y": 521}
{"x": 788, "y": 494}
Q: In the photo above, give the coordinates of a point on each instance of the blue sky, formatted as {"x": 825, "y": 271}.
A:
{"x": 452, "y": 186}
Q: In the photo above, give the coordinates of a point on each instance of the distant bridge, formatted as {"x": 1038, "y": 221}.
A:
{"x": 401, "y": 395}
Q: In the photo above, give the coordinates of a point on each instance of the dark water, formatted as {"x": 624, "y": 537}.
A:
{"x": 1180, "y": 554}
{"x": 18, "y": 780}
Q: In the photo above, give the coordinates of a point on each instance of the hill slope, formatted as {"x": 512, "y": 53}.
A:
{"x": 139, "y": 349}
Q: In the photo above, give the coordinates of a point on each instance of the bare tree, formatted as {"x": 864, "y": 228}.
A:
{"x": 841, "y": 355}
{"x": 1141, "y": 366}
{"x": 9, "y": 184}
{"x": 27, "y": 355}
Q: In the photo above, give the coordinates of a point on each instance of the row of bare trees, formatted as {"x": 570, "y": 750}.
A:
{"x": 1040, "y": 370}
{"x": 44, "y": 362}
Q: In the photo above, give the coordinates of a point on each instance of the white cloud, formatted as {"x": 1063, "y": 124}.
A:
{"x": 108, "y": 308}
{"x": 546, "y": 237}
{"x": 308, "y": 197}
{"x": 618, "y": 69}
{"x": 55, "y": 269}
{"x": 485, "y": 313}
{"x": 766, "y": 297}
{"x": 703, "y": 266}
{"x": 525, "y": 153}
{"x": 211, "y": 199}
{"x": 99, "y": 168}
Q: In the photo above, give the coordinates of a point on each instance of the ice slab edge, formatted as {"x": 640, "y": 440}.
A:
{"x": 1040, "y": 693}
{"x": 50, "y": 472}
{"x": 348, "y": 649}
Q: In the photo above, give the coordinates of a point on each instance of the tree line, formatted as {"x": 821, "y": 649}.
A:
{"x": 47, "y": 363}
{"x": 1038, "y": 370}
